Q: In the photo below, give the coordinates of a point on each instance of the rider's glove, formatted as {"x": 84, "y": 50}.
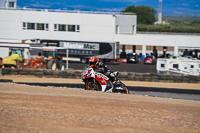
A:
{"x": 116, "y": 73}
{"x": 100, "y": 63}
{"x": 112, "y": 75}
{"x": 108, "y": 72}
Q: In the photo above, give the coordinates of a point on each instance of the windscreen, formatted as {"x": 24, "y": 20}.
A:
{"x": 48, "y": 53}
{"x": 19, "y": 52}
{"x": 149, "y": 57}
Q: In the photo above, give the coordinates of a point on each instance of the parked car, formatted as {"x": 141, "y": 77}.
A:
{"x": 150, "y": 59}
{"x": 176, "y": 57}
{"x": 132, "y": 58}
{"x": 188, "y": 56}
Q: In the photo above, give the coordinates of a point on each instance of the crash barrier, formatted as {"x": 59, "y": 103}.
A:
{"x": 43, "y": 73}
{"x": 76, "y": 74}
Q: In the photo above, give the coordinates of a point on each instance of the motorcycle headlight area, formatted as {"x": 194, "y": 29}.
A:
{"x": 83, "y": 77}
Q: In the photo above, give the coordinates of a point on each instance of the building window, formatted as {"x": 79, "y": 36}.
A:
{"x": 117, "y": 29}
{"x": 35, "y": 26}
{"x": 64, "y": 27}
{"x": 24, "y": 25}
{"x": 162, "y": 65}
{"x": 47, "y": 26}
{"x": 55, "y": 27}
{"x": 61, "y": 27}
{"x": 133, "y": 29}
{"x": 175, "y": 65}
{"x": 78, "y": 28}
{"x": 192, "y": 66}
{"x": 11, "y": 4}
{"x": 71, "y": 28}
{"x": 31, "y": 26}
{"x": 40, "y": 26}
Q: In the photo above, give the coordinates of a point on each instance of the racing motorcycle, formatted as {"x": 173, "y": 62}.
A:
{"x": 95, "y": 80}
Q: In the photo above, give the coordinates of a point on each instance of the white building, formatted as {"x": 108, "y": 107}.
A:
{"x": 12, "y": 4}
{"x": 18, "y": 25}
{"x": 80, "y": 26}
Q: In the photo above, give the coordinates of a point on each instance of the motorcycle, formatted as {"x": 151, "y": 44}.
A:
{"x": 95, "y": 80}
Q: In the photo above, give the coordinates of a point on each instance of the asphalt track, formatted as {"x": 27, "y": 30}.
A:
{"x": 137, "y": 90}
{"x": 121, "y": 67}
{"x": 188, "y": 94}
{"x": 174, "y": 93}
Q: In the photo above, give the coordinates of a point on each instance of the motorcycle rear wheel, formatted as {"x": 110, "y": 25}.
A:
{"x": 126, "y": 91}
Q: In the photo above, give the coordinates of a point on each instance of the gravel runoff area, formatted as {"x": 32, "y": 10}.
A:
{"x": 36, "y": 109}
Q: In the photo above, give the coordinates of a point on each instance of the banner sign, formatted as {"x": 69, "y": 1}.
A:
{"x": 81, "y": 48}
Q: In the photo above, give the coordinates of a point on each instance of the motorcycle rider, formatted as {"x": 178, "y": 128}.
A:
{"x": 102, "y": 68}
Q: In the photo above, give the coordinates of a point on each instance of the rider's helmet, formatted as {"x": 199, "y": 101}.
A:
{"x": 94, "y": 61}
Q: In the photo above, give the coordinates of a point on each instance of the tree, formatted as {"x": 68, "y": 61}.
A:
{"x": 145, "y": 14}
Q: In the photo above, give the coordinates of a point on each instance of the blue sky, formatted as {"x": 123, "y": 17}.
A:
{"x": 170, "y": 7}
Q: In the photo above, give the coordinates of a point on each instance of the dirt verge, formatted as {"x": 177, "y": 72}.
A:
{"x": 26, "y": 108}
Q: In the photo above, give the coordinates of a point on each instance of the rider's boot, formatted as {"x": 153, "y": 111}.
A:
{"x": 118, "y": 82}
{"x": 110, "y": 87}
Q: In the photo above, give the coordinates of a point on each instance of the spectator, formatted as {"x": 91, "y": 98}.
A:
{"x": 1, "y": 62}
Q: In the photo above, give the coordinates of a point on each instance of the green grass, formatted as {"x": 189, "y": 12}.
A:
{"x": 173, "y": 27}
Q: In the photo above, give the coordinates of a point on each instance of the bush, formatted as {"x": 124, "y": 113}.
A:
{"x": 174, "y": 27}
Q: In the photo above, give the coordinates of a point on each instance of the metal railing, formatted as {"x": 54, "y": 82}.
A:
{"x": 67, "y": 11}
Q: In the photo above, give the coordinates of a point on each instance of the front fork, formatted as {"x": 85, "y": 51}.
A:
{"x": 94, "y": 84}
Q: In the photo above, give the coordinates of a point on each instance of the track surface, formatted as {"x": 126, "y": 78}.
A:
{"x": 189, "y": 94}
{"x": 25, "y": 108}
{"x": 190, "y": 91}
{"x": 121, "y": 67}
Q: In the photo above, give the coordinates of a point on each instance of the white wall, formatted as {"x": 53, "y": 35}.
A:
{"x": 127, "y": 24}
{"x": 160, "y": 40}
{"x": 4, "y": 52}
{"x": 93, "y": 27}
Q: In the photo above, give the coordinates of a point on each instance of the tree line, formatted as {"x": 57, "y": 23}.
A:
{"x": 146, "y": 18}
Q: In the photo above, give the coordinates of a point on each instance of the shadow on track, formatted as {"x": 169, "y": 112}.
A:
{"x": 187, "y": 94}
{"x": 131, "y": 88}
{"x": 53, "y": 84}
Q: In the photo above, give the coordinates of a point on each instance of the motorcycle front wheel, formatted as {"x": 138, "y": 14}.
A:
{"x": 89, "y": 85}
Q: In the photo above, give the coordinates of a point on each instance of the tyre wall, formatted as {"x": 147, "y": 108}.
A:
{"x": 76, "y": 74}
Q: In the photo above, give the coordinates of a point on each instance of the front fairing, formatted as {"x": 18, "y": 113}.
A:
{"x": 87, "y": 73}
{"x": 101, "y": 78}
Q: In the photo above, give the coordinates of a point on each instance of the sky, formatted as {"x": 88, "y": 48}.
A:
{"x": 169, "y": 7}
